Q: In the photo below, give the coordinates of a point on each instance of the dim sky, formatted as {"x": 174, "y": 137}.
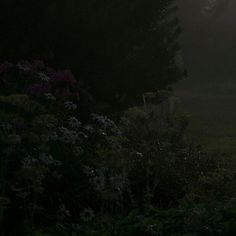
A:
{"x": 209, "y": 47}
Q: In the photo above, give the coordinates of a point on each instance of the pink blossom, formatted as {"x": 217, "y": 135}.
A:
{"x": 62, "y": 79}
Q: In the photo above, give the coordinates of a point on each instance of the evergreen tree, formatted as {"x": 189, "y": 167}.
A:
{"x": 119, "y": 48}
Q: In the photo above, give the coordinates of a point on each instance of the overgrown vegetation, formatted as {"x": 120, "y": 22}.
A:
{"x": 83, "y": 156}
{"x": 64, "y": 172}
{"x": 118, "y": 48}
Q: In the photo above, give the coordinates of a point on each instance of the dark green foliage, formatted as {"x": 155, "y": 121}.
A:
{"x": 119, "y": 48}
{"x": 66, "y": 171}
{"x": 217, "y": 219}
{"x": 63, "y": 175}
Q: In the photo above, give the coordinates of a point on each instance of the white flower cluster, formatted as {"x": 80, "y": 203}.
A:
{"x": 43, "y": 77}
{"x": 74, "y": 123}
{"x": 49, "y": 96}
{"x": 68, "y": 136}
{"x": 70, "y": 105}
{"x": 29, "y": 162}
{"x": 152, "y": 229}
{"x": 87, "y": 214}
{"x": 47, "y": 159}
{"x": 104, "y": 121}
{"x": 139, "y": 154}
{"x": 23, "y": 66}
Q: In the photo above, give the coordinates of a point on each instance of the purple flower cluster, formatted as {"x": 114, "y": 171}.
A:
{"x": 103, "y": 121}
{"x": 23, "y": 66}
{"x": 34, "y": 67}
{"x": 62, "y": 78}
{"x": 40, "y": 79}
{"x": 39, "y": 89}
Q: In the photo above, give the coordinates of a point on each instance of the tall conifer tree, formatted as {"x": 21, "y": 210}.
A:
{"x": 118, "y": 48}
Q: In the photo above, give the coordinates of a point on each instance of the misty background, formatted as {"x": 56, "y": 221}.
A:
{"x": 209, "y": 51}
{"x": 208, "y": 41}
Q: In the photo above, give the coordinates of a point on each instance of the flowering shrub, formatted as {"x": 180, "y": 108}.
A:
{"x": 37, "y": 117}
{"x": 198, "y": 219}
{"x": 48, "y": 154}
{"x": 37, "y": 80}
{"x": 63, "y": 173}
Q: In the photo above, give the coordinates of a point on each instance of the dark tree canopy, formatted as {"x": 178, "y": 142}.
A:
{"x": 118, "y": 48}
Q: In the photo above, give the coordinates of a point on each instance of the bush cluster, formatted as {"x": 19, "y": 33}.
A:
{"x": 62, "y": 174}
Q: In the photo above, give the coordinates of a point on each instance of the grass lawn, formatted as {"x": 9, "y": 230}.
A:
{"x": 213, "y": 123}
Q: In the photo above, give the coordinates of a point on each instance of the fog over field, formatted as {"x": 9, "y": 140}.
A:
{"x": 208, "y": 41}
{"x": 209, "y": 49}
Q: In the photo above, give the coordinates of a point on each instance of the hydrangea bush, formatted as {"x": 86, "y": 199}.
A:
{"x": 67, "y": 175}
{"x": 53, "y": 167}
{"x": 40, "y": 134}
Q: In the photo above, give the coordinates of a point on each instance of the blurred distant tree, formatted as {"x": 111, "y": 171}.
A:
{"x": 119, "y": 48}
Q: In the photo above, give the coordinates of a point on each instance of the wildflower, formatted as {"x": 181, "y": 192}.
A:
{"x": 74, "y": 123}
{"x": 24, "y": 66}
{"x": 104, "y": 121}
{"x": 70, "y": 105}
{"x": 106, "y": 124}
{"x": 68, "y": 136}
{"x": 49, "y": 96}
{"x": 139, "y": 154}
{"x": 87, "y": 214}
{"x": 152, "y": 229}
{"x": 43, "y": 77}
